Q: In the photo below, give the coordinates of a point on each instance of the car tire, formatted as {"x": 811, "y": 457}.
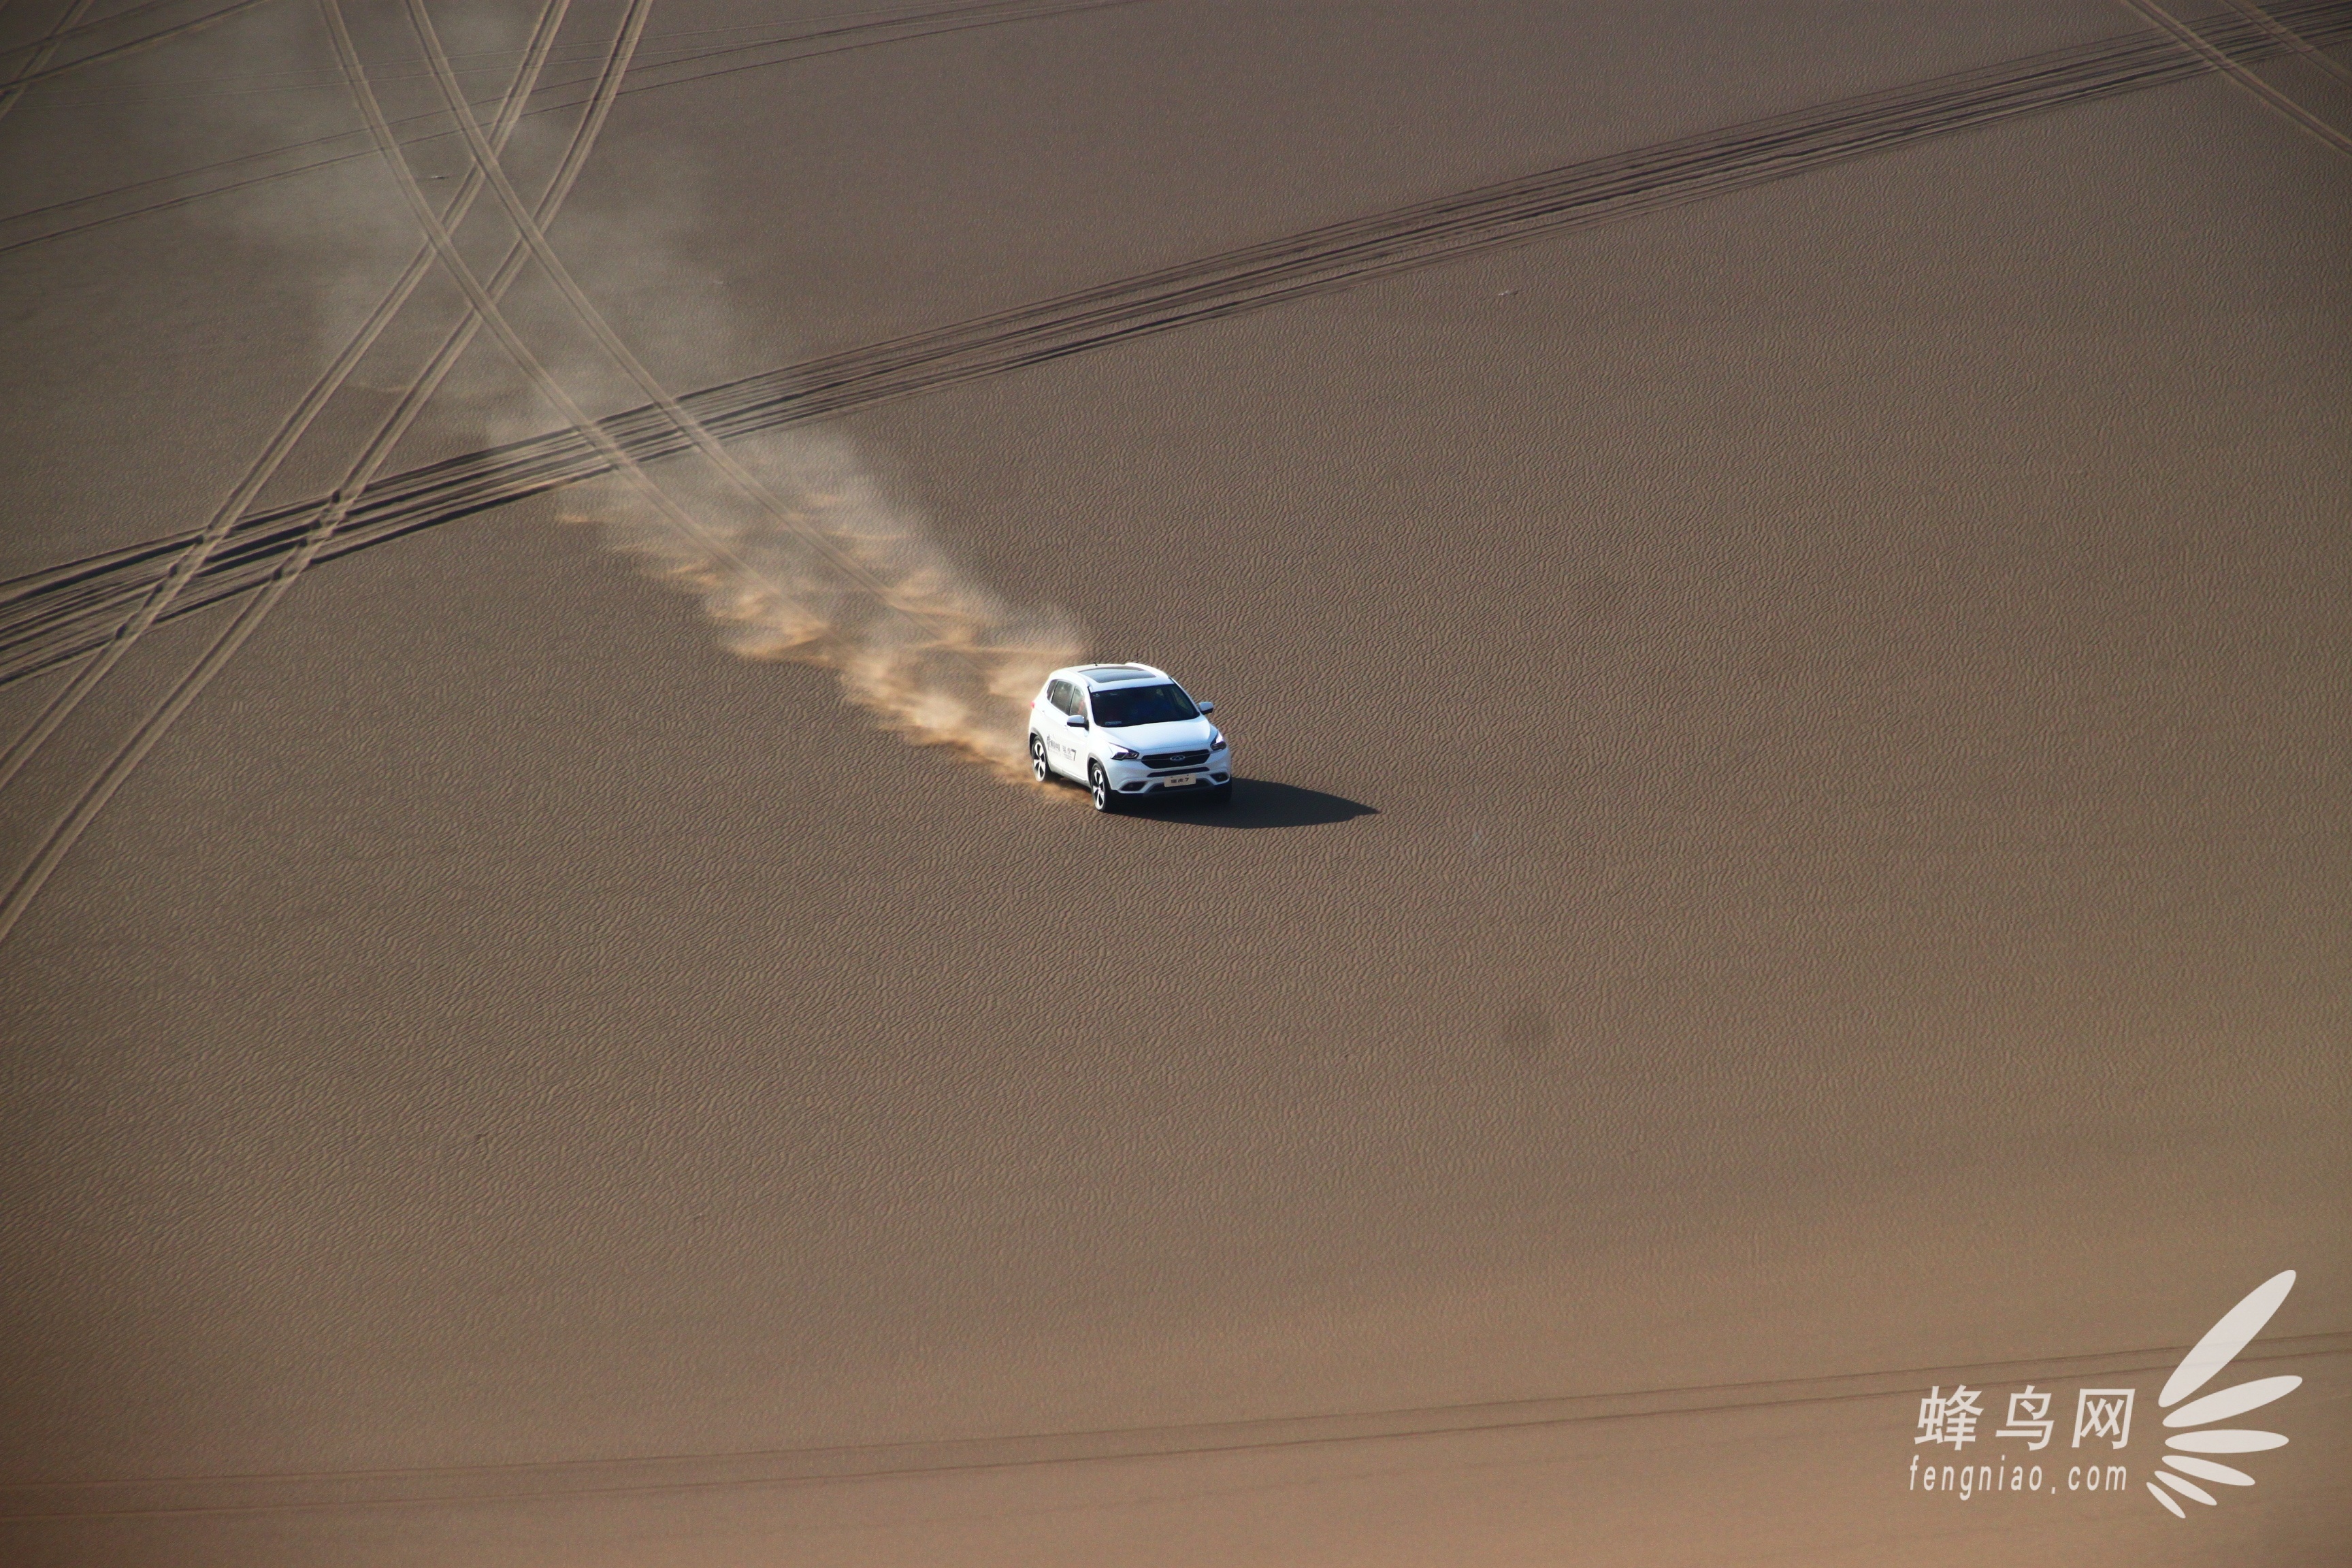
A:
{"x": 1098, "y": 786}
{"x": 1221, "y": 797}
{"x": 1039, "y": 769}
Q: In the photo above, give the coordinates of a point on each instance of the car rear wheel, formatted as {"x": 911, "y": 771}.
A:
{"x": 1099, "y": 786}
{"x": 1037, "y": 768}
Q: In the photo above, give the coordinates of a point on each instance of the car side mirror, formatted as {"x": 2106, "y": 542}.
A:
{"x": 1208, "y": 707}
{"x": 1076, "y": 720}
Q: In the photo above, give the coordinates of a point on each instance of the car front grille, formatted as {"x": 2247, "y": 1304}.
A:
{"x": 1175, "y": 759}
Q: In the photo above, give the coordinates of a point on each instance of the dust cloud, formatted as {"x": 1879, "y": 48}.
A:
{"x": 849, "y": 580}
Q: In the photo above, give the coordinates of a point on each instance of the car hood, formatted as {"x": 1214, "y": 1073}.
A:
{"x": 1181, "y": 735}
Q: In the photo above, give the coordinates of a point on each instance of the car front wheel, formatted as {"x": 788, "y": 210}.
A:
{"x": 1037, "y": 768}
{"x": 1099, "y": 786}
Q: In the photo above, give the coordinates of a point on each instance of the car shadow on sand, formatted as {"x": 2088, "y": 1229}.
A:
{"x": 1259, "y": 803}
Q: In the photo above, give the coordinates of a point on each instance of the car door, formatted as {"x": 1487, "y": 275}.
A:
{"x": 1082, "y": 740}
{"x": 1065, "y": 746}
{"x": 1046, "y": 719}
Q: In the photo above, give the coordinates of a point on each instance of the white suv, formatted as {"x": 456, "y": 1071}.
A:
{"x": 1128, "y": 731}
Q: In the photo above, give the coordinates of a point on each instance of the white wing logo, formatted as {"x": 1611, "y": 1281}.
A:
{"x": 2223, "y": 1340}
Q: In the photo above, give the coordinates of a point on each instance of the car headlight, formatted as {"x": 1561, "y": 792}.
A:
{"x": 1216, "y": 740}
{"x": 1123, "y": 755}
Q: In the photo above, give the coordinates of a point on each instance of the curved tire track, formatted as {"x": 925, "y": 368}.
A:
{"x": 52, "y": 616}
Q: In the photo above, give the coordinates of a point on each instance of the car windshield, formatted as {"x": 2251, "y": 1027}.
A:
{"x": 1124, "y": 705}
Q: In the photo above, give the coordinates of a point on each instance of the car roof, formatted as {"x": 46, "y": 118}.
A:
{"x": 1101, "y": 675}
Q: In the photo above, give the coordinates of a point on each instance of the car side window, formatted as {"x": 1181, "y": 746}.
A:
{"x": 1065, "y": 697}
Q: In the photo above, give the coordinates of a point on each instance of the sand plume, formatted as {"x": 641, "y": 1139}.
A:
{"x": 934, "y": 655}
